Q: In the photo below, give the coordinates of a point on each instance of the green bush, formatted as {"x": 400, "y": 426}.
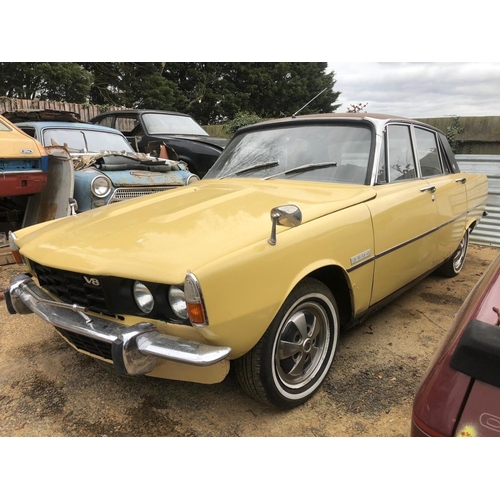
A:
{"x": 240, "y": 120}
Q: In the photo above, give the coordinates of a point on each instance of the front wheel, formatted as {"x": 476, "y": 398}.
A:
{"x": 455, "y": 263}
{"x": 291, "y": 360}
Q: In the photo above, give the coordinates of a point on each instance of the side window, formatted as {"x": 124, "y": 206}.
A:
{"x": 126, "y": 124}
{"x": 107, "y": 121}
{"x": 30, "y": 131}
{"x": 400, "y": 153}
{"x": 428, "y": 152}
{"x": 382, "y": 170}
{"x": 448, "y": 155}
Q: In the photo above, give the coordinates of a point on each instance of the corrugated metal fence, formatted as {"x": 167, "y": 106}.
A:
{"x": 487, "y": 231}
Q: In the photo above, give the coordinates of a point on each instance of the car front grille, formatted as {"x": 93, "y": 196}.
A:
{"x": 122, "y": 194}
{"x": 87, "y": 344}
{"x": 72, "y": 288}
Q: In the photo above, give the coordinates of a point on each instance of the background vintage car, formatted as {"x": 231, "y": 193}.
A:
{"x": 106, "y": 168}
{"x": 303, "y": 227}
{"x": 179, "y": 131}
{"x": 23, "y": 164}
{"x": 460, "y": 393}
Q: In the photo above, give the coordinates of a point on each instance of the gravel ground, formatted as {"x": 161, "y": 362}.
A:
{"x": 49, "y": 389}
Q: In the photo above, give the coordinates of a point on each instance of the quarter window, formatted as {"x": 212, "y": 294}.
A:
{"x": 450, "y": 159}
{"x": 29, "y": 131}
{"x": 126, "y": 124}
{"x": 107, "y": 121}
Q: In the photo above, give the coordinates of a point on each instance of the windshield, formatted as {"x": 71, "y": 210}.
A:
{"x": 327, "y": 152}
{"x": 156, "y": 123}
{"x": 85, "y": 141}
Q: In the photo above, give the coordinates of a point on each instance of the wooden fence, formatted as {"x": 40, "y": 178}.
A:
{"x": 86, "y": 111}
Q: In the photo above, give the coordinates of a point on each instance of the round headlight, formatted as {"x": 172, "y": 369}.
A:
{"x": 192, "y": 178}
{"x": 143, "y": 297}
{"x": 100, "y": 186}
{"x": 177, "y": 302}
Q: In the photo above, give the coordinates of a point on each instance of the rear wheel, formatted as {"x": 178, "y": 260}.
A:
{"x": 289, "y": 363}
{"x": 455, "y": 263}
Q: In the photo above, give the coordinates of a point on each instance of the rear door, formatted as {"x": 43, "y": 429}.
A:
{"x": 449, "y": 193}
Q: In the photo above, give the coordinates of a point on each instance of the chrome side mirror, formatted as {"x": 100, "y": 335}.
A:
{"x": 73, "y": 206}
{"x": 285, "y": 215}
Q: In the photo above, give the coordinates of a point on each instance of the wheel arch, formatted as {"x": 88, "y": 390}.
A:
{"x": 336, "y": 279}
{"x": 189, "y": 161}
{"x": 471, "y": 226}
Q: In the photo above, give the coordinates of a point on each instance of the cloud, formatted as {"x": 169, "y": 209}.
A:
{"x": 420, "y": 90}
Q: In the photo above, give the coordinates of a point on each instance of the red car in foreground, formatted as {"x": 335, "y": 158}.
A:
{"x": 460, "y": 392}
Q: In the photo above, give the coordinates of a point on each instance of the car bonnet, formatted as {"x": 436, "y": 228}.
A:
{"x": 160, "y": 236}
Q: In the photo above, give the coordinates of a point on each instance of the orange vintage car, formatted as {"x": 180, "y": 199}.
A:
{"x": 23, "y": 162}
{"x": 302, "y": 228}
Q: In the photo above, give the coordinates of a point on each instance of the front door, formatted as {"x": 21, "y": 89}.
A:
{"x": 404, "y": 216}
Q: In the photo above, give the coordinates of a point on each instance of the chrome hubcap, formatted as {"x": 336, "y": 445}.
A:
{"x": 302, "y": 344}
{"x": 459, "y": 257}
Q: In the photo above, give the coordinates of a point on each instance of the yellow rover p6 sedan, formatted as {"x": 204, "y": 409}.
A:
{"x": 302, "y": 227}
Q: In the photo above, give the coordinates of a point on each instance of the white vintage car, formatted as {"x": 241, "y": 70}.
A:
{"x": 302, "y": 228}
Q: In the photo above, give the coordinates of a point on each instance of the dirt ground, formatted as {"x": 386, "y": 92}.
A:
{"x": 48, "y": 389}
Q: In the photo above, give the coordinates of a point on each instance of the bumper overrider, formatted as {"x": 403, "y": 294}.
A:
{"x": 135, "y": 349}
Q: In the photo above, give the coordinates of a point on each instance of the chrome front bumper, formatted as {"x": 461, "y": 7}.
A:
{"x": 134, "y": 349}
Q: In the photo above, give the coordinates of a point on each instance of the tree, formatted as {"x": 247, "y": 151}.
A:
{"x": 68, "y": 82}
{"x": 106, "y": 83}
{"x": 357, "y": 108}
{"x": 216, "y": 92}
{"x": 133, "y": 85}
{"x": 202, "y": 87}
{"x": 452, "y": 131}
{"x": 211, "y": 92}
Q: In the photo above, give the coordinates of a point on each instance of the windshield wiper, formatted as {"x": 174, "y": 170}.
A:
{"x": 273, "y": 163}
{"x": 307, "y": 166}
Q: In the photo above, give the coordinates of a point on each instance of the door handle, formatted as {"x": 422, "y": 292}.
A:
{"x": 462, "y": 180}
{"x": 431, "y": 189}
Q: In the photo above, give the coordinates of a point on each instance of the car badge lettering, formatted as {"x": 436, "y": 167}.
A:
{"x": 26, "y": 151}
{"x": 360, "y": 256}
{"x": 91, "y": 281}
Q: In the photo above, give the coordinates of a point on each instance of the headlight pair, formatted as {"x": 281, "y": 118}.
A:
{"x": 186, "y": 303}
{"x": 145, "y": 300}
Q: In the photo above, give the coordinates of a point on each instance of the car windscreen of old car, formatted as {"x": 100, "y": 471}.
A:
{"x": 85, "y": 141}
{"x": 156, "y": 123}
{"x": 323, "y": 153}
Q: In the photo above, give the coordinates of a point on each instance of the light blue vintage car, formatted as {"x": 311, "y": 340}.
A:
{"x": 106, "y": 169}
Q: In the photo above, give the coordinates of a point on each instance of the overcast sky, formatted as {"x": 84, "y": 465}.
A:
{"x": 418, "y": 89}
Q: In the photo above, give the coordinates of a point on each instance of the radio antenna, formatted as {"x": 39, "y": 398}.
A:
{"x": 305, "y": 105}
